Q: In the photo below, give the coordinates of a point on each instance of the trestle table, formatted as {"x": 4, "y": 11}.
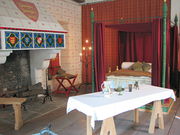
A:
{"x": 97, "y": 106}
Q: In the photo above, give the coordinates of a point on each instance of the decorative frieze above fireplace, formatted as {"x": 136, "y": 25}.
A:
{"x": 28, "y": 40}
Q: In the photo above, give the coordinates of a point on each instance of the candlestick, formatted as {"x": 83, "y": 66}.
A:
{"x": 80, "y": 54}
{"x": 109, "y": 70}
{"x": 117, "y": 68}
{"x": 87, "y": 41}
{"x": 86, "y": 54}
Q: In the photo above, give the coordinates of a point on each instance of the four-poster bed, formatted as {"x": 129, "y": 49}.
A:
{"x": 159, "y": 79}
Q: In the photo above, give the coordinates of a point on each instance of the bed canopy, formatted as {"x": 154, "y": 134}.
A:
{"x": 160, "y": 43}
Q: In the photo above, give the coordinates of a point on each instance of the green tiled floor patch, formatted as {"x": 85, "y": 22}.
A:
{"x": 166, "y": 107}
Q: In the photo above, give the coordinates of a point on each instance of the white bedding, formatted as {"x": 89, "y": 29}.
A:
{"x": 125, "y": 80}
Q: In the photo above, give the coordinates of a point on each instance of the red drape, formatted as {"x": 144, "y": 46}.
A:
{"x": 174, "y": 48}
{"x": 135, "y": 46}
{"x": 174, "y": 58}
{"x": 99, "y": 55}
{"x": 53, "y": 65}
{"x": 134, "y": 27}
{"x": 179, "y": 52}
{"x": 157, "y": 46}
{"x": 168, "y": 54}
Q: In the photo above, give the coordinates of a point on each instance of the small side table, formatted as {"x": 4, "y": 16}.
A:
{"x": 70, "y": 80}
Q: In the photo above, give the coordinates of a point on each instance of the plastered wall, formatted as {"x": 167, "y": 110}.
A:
{"x": 68, "y": 13}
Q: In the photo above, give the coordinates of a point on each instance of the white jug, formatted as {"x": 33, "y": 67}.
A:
{"x": 106, "y": 86}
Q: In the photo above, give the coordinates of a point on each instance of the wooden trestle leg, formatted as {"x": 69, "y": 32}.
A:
{"x": 108, "y": 127}
{"x": 136, "y": 116}
{"x": 156, "y": 114}
{"x": 88, "y": 126}
{"x": 18, "y": 116}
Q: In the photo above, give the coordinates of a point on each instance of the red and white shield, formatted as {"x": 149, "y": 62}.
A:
{"x": 39, "y": 40}
{"x": 28, "y": 9}
{"x": 12, "y": 40}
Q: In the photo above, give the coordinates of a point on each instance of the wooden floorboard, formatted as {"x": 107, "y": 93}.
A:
{"x": 74, "y": 123}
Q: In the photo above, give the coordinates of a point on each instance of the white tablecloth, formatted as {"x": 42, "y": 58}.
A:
{"x": 99, "y": 107}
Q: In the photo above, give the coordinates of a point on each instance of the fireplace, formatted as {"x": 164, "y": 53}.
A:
{"x": 17, "y": 72}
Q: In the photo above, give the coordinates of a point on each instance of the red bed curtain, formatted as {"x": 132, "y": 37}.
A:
{"x": 135, "y": 46}
{"x": 99, "y": 55}
{"x": 156, "y": 52}
{"x": 174, "y": 58}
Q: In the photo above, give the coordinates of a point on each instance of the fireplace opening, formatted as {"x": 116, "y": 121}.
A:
{"x": 15, "y": 77}
{"x": 15, "y": 72}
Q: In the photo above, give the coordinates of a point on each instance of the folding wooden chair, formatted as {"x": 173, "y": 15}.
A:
{"x": 71, "y": 80}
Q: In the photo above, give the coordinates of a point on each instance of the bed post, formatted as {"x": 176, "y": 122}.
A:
{"x": 92, "y": 42}
{"x": 164, "y": 44}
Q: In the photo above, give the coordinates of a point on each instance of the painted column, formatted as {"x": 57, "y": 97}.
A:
{"x": 164, "y": 44}
{"x": 92, "y": 42}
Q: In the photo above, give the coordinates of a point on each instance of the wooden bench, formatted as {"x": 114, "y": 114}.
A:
{"x": 16, "y": 103}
